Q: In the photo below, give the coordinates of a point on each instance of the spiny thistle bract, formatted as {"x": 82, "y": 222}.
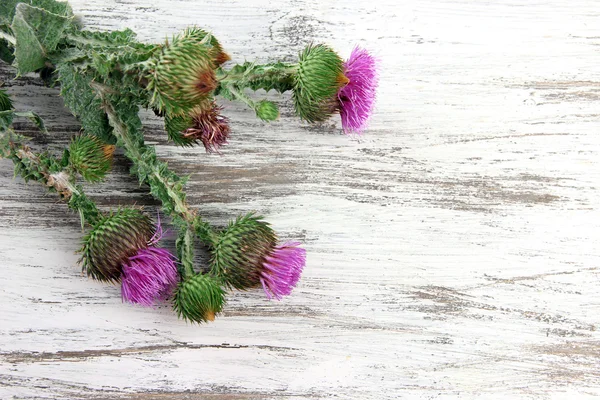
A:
{"x": 357, "y": 97}
{"x": 175, "y": 125}
{"x": 183, "y": 73}
{"x": 318, "y": 78}
{"x": 112, "y": 241}
{"x": 90, "y": 157}
{"x": 199, "y": 298}
{"x": 246, "y": 255}
{"x": 267, "y": 110}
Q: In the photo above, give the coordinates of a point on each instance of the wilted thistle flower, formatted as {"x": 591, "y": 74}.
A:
{"x": 357, "y": 97}
{"x": 208, "y": 126}
{"x": 183, "y": 73}
{"x": 90, "y": 157}
{"x": 199, "y": 298}
{"x": 122, "y": 247}
{"x": 318, "y": 78}
{"x": 246, "y": 255}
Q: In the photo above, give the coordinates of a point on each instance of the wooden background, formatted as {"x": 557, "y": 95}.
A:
{"x": 453, "y": 250}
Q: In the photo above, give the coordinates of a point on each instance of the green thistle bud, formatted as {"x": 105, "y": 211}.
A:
{"x": 183, "y": 73}
{"x": 5, "y": 103}
{"x": 239, "y": 252}
{"x": 89, "y": 156}
{"x": 318, "y": 78}
{"x": 112, "y": 241}
{"x": 267, "y": 110}
{"x": 198, "y": 299}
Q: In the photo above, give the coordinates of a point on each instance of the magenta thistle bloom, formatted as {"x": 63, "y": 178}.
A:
{"x": 246, "y": 255}
{"x": 282, "y": 269}
{"x": 148, "y": 276}
{"x": 151, "y": 274}
{"x": 357, "y": 97}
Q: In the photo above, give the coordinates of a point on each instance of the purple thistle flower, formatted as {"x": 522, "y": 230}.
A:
{"x": 281, "y": 269}
{"x": 357, "y": 97}
{"x": 151, "y": 274}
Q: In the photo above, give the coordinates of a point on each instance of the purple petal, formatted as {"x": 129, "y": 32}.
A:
{"x": 149, "y": 276}
{"x": 357, "y": 98}
{"x": 282, "y": 269}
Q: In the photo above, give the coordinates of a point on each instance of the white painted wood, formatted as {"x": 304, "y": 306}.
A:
{"x": 453, "y": 250}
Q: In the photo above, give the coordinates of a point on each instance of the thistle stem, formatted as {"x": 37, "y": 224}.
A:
{"x": 278, "y": 76}
{"x": 164, "y": 184}
{"x": 32, "y": 166}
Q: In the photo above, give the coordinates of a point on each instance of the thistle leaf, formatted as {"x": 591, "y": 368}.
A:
{"x": 80, "y": 98}
{"x": 37, "y": 32}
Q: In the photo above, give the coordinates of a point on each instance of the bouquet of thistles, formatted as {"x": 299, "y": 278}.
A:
{"x": 104, "y": 79}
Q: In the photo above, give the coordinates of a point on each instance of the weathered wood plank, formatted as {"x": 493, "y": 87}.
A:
{"x": 452, "y": 251}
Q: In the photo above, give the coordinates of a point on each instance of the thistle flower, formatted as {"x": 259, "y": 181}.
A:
{"x": 183, "y": 73}
{"x": 318, "y": 78}
{"x": 246, "y": 255}
{"x": 149, "y": 275}
{"x": 199, "y": 298}
{"x": 209, "y": 127}
{"x": 122, "y": 247}
{"x": 89, "y": 156}
{"x": 357, "y": 97}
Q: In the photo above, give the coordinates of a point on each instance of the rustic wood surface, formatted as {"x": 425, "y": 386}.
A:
{"x": 453, "y": 251}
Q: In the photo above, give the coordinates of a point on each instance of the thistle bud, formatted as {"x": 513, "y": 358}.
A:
{"x": 183, "y": 73}
{"x": 267, "y": 110}
{"x": 198, "y": 299}
{"x": 246, "y": 255}
{"x": 90, "y": 157}
{"x": 112, "y": 241}
{"x": 318, "y": 78}
{"x": 122, "y": 247}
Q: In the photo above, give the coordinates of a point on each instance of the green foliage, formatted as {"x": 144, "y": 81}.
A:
{"x": 198, "y": 299}
{"x": 267, "y": 110}
{"x": 8, "y": 8}
{"x": 112, "y": 241}
{"x": 318, "y": 79}
{"x": 90, "y": 157}
{"x": 6, "y": 52}
{"x": 84, "y": 103}
{"x": 5, "y": 102}
{"x": 240, "y": 250}
{"x": 37, "y": 32}
{"x": 6, "y": 119}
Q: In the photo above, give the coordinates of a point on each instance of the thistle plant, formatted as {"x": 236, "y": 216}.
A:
{"x": 104, "y": 79}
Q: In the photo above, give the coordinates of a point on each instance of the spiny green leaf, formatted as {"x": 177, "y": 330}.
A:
{"x": 80, "y": 98}
{"x": 37, "y": 32}
{"x": 35, "y": 118}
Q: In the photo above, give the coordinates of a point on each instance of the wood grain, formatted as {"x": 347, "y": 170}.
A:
{"x": 453, "y": 249}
